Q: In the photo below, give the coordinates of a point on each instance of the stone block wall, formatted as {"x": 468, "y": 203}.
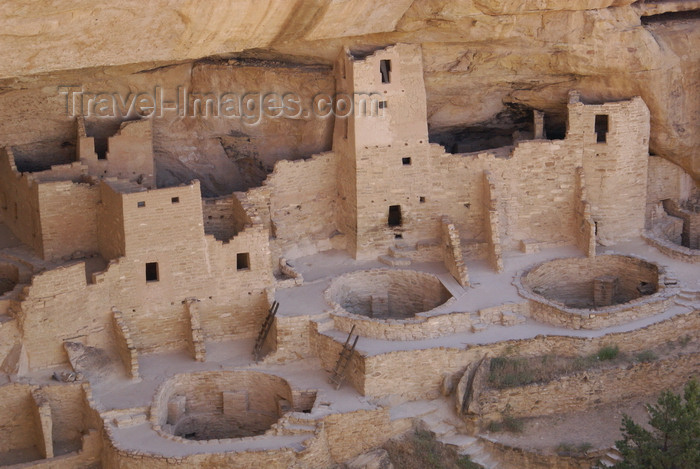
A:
{"x": 42, "y": 416}
{"x": 493, "y": 225}
{"x": 666, "y": 181}
{"x": 125, "y": 345}
{"x": 223, "y": 217}
{"x": 17, "y": 420}
{"x": 129, "y": 153}
{"x": 421, "y": 372}
{"x": 578, "y": 391}
{"x": 570, "y": 280}
{"x": 585, "y": 233}
{"x": 297, "y": 202}
{"x": 452, "y": 252}
{"x": 616, "y": 168}
{"x": 68, "y": 214}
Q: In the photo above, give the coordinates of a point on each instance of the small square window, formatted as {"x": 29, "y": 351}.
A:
{"x": 422, "y": 199}
{"x": 382, "y": 105}
{"x": 242, "y": 261}
{"x": 151, "y": 271}
{"x": 175, "y": 200}
{"x": 406, "y": 161}
{"x": 141, "y": 204}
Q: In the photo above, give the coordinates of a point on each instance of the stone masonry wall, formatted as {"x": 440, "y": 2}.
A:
{"x": 581, "y": 390}
{"x": 297, "y": 202}
{"x": 420, "y": 372}
{"x": 615, "y": 170}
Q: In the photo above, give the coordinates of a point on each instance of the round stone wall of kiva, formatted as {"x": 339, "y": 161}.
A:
{"x": 593, "y": 282}
{"x": 214, "y": 405}
{"x": 387, "y": 294}
{"x": 9, "y": 277}
{"x": 595, "y": 292}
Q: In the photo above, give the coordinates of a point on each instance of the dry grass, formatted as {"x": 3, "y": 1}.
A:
{"x": 420, "y": 450}
{"x": 508, "y": 372}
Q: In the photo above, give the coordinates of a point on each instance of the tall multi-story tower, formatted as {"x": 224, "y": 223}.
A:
{"x": 382, "y": 146}
{"x": 613, "y": 139}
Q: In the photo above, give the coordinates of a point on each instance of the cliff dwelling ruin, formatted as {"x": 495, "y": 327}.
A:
{"x": 299, "y": 290}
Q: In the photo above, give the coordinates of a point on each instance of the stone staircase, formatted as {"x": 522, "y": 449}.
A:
{"x": 399, "y": 255}
{"x": 611, "y": 457}
{"x": 465, "y": 445}
{"x": 294, "y": 423}
{"x": 688, "y": 299}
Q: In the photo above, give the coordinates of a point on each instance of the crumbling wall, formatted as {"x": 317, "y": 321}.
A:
{"x": 60, "y": 306}
{"x": 452, "y": 252}
{"x": 19, "y": 202}
{"x": 493, "y": 224}
{"x": 129, "y": 153}
{"x": 300, "y": 198}
{"x": 56, "y": 218}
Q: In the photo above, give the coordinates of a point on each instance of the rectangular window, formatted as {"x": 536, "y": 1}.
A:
{"x": 385, "y": 70}
{"x": 242, "y": 261}
{"x": 394, "y": 215}
{"x": 101, "y": 147}
{"x": 601, "y": 127}
{"x": 151, "y": 271}
{"x": 382, "y": 105}
{"x": 141, "y": 204}
{"x": 406, "y": 161}
{"x": 175, "y": 200}
{"x": 422, "y": 199}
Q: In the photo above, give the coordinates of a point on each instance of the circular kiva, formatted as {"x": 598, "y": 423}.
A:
{"x": 595, "y": 292}
{"x": 215, "y": 405}
{"x": 387, "y": 294}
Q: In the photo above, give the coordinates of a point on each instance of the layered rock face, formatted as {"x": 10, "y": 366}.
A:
{"x": 487, "y": 63}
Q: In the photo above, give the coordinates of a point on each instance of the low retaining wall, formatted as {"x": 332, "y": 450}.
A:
{"x": 575, "y": 277}
{"x": 584, "y": 389}
{"x": 671, "y": 249}
{"x": 420, "y": 372}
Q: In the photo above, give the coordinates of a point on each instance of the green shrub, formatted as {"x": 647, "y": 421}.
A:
{"x": 609, "y": 352}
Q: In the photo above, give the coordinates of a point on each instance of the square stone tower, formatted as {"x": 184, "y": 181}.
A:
{"x": 382, "y": 145}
